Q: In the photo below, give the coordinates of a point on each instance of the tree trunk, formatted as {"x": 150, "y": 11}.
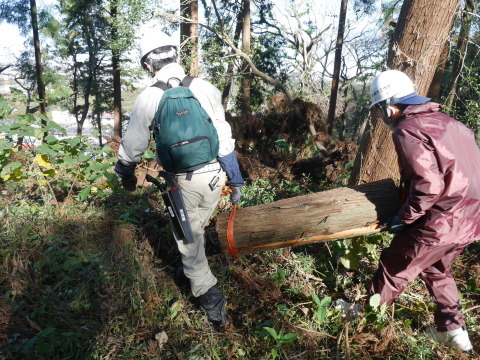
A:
{"x": 435, "y": 89}
{"x": 415, "y": 49}
{"x": 99, "y": 125}
{"x": 328, "y": 215}
{"x": 38, "y": 61}
{"x": 189, "y": 35}
{"x": 336, "y": 68}
{"x": 75, "y": 86}
{"x": 245, "y": 96}
{"x": 229, "y": 74}
{"x": 460, "y": 52}
{"x": 117, "y": 85}
{"x": 92, "y": 58}
{"x": 343, "y": 116}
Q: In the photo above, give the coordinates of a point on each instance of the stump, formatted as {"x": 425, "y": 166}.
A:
{"x": 324, "y": 216}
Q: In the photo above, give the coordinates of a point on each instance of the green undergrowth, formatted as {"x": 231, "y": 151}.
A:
{"x": 89, "y": 271}
{"x": 96, "y": 279}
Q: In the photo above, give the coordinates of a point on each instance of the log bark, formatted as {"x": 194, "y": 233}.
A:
{"x": 329, "y": 215}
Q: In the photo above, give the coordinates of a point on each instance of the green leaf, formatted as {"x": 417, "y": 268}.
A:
{"x": 84, "y": 193}
{"x": 350, "y": 260}
{"x": 148, "y": 155}
{"x": 176, "y": 308}
{"x": 39, "y": 134}
{"x": 12, "y": 171}
{"x": 321, "y": 315}
{"x": 375, "y": 301}
{"x": 326, "y": 301}
{"x": 51, "y": 139}
{"x": 47, "y": 150}
{"x": 69, "y": 161}
{"x": 74, "y": 141}
{"x": 46, "y": 332}
{"x": 53, "y": 125}
{"x": 287, "y": 338}
{"x": 12, "y": 166}
{"x": 315, "y": 299}
{"x": 49, "y": 172}
{"x": 83, "y": 157}
{"x": 272, "y": 332}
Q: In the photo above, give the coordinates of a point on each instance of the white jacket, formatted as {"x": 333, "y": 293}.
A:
{"x": 137, "y": 137}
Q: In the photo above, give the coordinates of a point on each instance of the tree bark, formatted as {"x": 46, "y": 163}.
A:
{"x": 229, "y": 74}
{"x": 189, "y": 35}
{"x": 460, "y": 52}
{"x": 117, "y": 85}
{"x": 336, "y": 68}
{"x": 328, "y": 215}
{"x": 38, "y": 61}
{"x": 415, "y": 49}
{"x": 92, "y": 58}
{"x": 435, "y": 89}
{"x": 245, "y": 96}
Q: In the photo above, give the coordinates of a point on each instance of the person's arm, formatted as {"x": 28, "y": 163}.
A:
{"x": 419, "y": 165}
{"x": 137, "y": 137}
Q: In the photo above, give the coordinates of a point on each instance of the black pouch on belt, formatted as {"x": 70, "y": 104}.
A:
{"x": 173, "y": 199}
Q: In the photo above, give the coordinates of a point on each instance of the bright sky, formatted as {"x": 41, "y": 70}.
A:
{"x": 10, "y": 42}
{"x": 325, "y": 13}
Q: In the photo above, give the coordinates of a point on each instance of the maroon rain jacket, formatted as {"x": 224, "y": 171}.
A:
{"x": 440, "y": 166}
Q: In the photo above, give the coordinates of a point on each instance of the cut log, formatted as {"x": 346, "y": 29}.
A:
{"x": 324, "y": 216}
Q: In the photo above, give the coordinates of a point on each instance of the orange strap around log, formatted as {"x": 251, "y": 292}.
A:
{"x": 230, "y": 238}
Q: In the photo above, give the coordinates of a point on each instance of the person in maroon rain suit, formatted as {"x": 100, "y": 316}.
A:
{"x": 440, "y": 168}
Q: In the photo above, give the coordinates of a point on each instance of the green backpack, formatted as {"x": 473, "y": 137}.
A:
{"x": 185, "y": 136}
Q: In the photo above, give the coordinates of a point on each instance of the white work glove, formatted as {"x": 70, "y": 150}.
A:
{"x": 235, "y": 195}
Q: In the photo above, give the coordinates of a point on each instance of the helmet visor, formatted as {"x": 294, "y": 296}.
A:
{"x": 411, "y": 99}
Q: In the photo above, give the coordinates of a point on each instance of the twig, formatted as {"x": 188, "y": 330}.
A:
{"x": 313, "y": 332}
{"x": 472, "y": 308}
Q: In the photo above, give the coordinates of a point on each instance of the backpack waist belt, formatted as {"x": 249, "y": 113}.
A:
{"x": 207, "y": 168}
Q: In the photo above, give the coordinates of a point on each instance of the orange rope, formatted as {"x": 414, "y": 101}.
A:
{"x": 230, "y": 238}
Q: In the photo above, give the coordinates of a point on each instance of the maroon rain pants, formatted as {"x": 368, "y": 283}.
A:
{"x": 406, "y": 259}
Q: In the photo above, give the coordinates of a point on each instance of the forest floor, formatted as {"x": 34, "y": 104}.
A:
{"x": 99, "y": 279}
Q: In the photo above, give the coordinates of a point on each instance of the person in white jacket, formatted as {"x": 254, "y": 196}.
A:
{"x": 159, "y": 56}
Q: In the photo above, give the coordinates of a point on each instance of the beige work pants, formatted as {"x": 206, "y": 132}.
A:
{"x": 200, "y": 202}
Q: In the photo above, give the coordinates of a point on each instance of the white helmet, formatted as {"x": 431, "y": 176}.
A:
{"x": 395, "y": 87}
{"x": 151, "y": 38}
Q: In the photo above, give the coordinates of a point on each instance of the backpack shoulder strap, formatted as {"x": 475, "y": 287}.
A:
{"x": 187, "y": 80}
{"x": 161, "y": 85}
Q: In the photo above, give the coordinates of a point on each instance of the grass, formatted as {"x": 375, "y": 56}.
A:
{"x": 97, "y": 280}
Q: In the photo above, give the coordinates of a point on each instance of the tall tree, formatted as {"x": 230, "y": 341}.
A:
{"x": 189, "y": 35}
{"x": 245, "y": 96}
{"x": 117, "y": 84}
{"x": 461, "y": 49}
{"x": 38, "y": 60}
{"x": 231, "y": 64}
{"x": 435, "y": 89}
{"x": 19, "y": 13}
{"x": 416, "y": 46}
{"x": 336, "y": 67}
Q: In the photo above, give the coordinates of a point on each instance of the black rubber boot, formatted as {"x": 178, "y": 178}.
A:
{"x": 215, "y": 305}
